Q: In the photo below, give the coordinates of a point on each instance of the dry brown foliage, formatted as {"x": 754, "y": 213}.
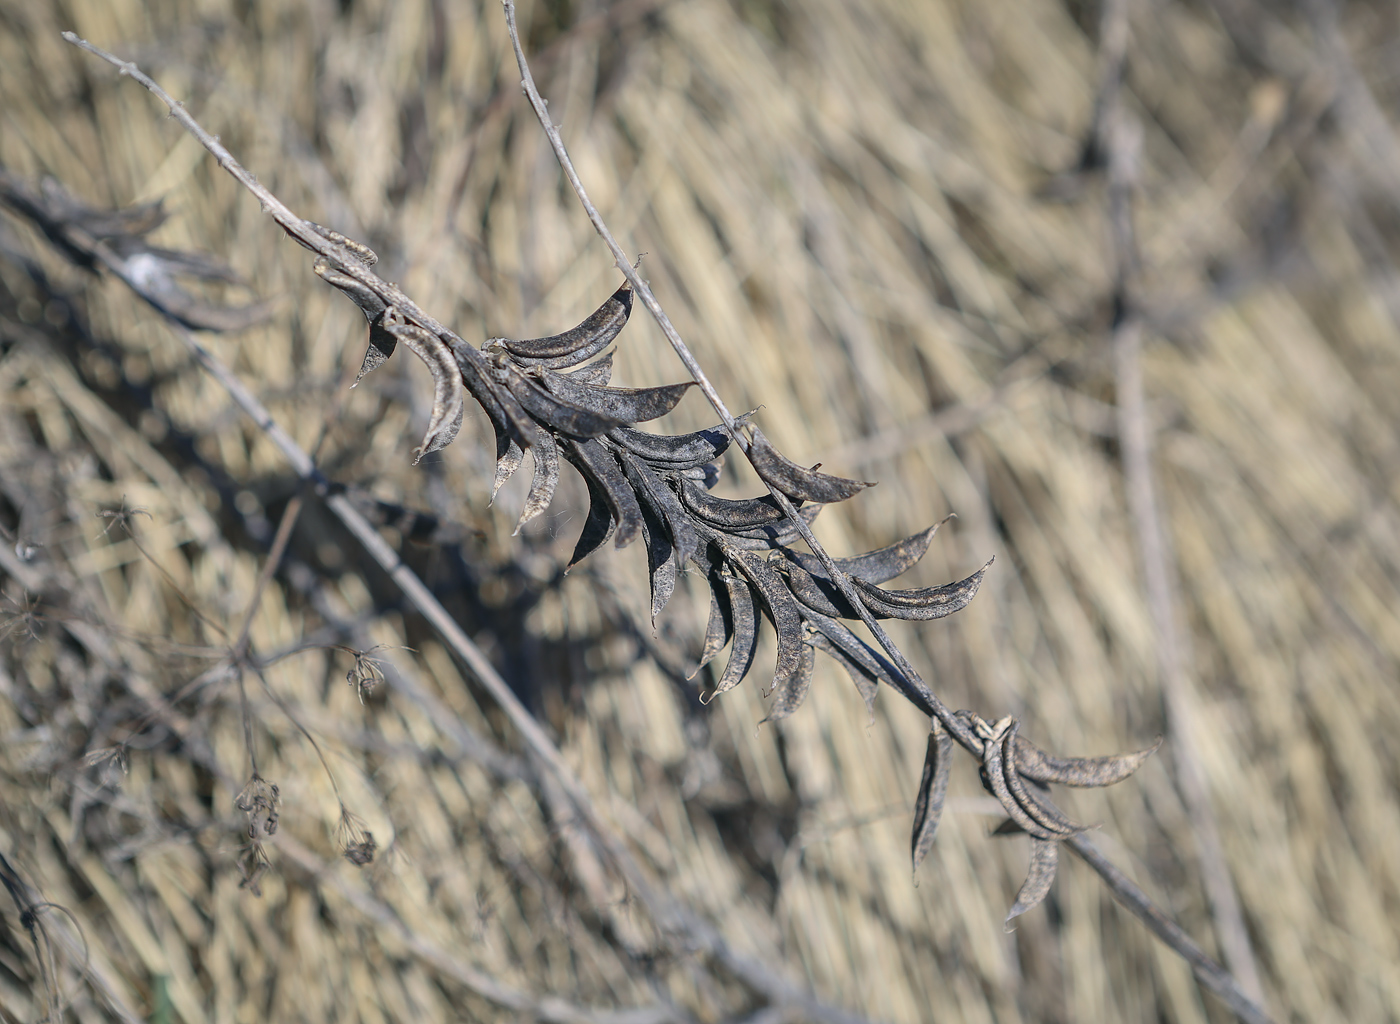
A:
{"x": 988, "y": 254}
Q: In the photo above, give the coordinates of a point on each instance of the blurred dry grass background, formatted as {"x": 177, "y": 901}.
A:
{"x": 863, "y": 218}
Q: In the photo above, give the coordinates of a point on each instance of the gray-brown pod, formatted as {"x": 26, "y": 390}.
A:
{"x": 597, "y": 464}
{"x": 1034, "y": 763}
{"x": 626, "y": 405}
{"x": 597, "y": 527}
{"x": 1045, "y": 858}
{"x": 743, "y": 608}
{"x": 729, "y": 513}
{"x": 678, "y": 451}
{"x": 920, "y": 605}
{"x": 546, "y": 479}
{"x": 878, "y": 566}
{"x": 933, "y": 790}
{"x": 795, "y": 481}
{"x": 577, "y": 344}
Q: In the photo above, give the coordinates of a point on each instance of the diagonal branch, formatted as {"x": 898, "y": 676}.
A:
{"x": 1120, "y": 140}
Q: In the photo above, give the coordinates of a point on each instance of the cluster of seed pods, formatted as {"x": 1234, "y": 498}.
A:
{"x": 552, "y": 397}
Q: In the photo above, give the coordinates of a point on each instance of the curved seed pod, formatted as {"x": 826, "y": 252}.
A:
{"x": 582, "y": 342}
{"x": 817, "y": 592}
{"x": 1045, "y": 858}
{"x": 678, "y": 450}
{"x": 626, "y": 405}
{"x": 1045, "y": 814}
{"x": 1034, "y": 763}
{"x": 654, "y": 493}
{"x": 921, "y": 605}
{"x": 508, "y": 417}
{"x": 381, "y": 342}
{"x": 792, "y": 688}
{"x": 546, "y": 454}
{"x": 795, "y": 481}
{"x": 597, "y": 372}
{"x": 720, "y": 626}
{"x": 876, "y": 566}
{"x": 596, "y": 462}
{"x": 597, "y": 528}
{"x": 994, "y": 777}
{"x": 661, "y": 565}
{"x": 508, "y": 459}
{"x": 782, "y": 609}
{"x": 865, "y": 680}
{"x": 933, "y": 788}
{"x": 551, "y": 410}
{"x": 744, "y": 608}
{"x": 728, "y": 514}
{"x": 765, "y": 538}
{"x": 446, "y": 419}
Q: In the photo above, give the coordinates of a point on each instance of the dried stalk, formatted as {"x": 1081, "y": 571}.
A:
{"x": 346, "y": 265}
{"x": 1119, "y": 140}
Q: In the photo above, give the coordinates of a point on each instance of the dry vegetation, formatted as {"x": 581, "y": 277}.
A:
{"x": 891, "y": 228}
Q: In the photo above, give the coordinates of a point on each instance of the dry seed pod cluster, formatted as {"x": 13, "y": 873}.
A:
{"x": 657, "y": 487}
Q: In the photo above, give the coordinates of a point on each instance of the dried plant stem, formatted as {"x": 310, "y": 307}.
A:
{"x": 669, "y": 915}
{"x": 1212, "y": 975}
{"x": 1120, "y": 140}
{"x": 60, "y": 931}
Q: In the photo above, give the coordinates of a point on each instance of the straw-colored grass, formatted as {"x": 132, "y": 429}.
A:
{"x": 845, "y": 209}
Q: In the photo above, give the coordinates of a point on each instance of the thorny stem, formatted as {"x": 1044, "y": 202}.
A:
{"x": 669, "y": 915}
{"x": 1211, "y": 975}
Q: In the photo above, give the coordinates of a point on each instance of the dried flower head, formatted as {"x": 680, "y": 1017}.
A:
{"x": 365, "y": 675}
{"x": 121, "y": 516}
{"x": 259, "y": 800}
{"x": 355, "y": 841}
{"x": 21, "y": 619}
{"x": 113, "y": 757}
{"x": 253, "y": 863}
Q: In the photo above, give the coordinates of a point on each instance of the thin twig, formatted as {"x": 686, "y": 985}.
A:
{"x": 1209, "y": 973}
{"x": 1121, "y": 139}
{"x": 269, "y": 569}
